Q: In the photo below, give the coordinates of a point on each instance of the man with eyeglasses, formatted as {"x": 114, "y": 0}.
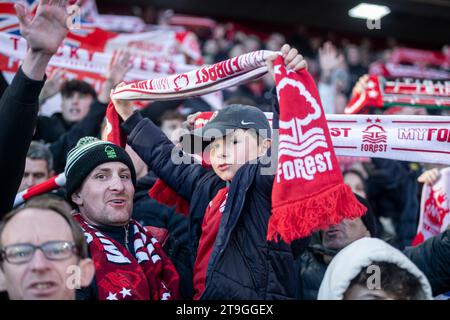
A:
{"x": 43, "y": 254}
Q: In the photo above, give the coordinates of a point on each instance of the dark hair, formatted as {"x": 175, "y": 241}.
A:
{"x": 69, "y": 88}
{"x": 171, "y": 115}
{"x": 356, "y": 173}
{"x": 359, "y": 175}
{"x": 59, "y": 206}
{"x": 239, "y": 99}
{"x": 39, "y": 151}
{"x": 395, "y": 281}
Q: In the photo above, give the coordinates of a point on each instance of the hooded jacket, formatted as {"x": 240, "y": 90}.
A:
{"x": 349, "y": 262}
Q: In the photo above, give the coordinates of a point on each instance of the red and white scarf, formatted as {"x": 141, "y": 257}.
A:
{"x": 382, "y": 92}
{"x": 148, "y": 275}
{"x": 308, "y": 193}
{"x": 210, "y": 78}
{"x": 434, "y": 208}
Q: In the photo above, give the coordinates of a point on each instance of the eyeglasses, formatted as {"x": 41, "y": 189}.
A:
{"x": 24, "y": 252}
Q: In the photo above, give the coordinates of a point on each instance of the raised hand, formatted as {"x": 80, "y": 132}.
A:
{"x": 292, "y": 60}
{"x": 44, "y": 34}
{"x": 123, "y": 107}
{"x": 52, "y": 85}
{"x": 361, "y": 85}
{"x": 47, "y": 29}
{"x": 429, "y": 177}
{"x": 118, "y": 68}
{"x": 329, "y": 58}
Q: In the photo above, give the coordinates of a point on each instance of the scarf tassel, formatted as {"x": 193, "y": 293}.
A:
{"x": 298, "y": 219}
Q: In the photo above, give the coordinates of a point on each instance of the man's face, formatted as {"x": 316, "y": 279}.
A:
{"x": 340, "y": 235}
{"x": 353, "y": 55}
{"x": 76, "y": 106}
{"x": 229, "y": 153}
{"x": 169, "y": 126}
{"x": 355, "y": 183}
{"x": 40, "y": 278}
{"x": 106, "y": 195}
{"x": 36, "y": 171}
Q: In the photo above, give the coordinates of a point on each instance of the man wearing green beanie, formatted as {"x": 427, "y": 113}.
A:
{"x": 129, "y": 262}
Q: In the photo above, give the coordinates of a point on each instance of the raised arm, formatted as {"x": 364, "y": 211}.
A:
{"x": 19, "y": 104}
{"x": 177, "y": 170}
{"x": 91, "y": 123}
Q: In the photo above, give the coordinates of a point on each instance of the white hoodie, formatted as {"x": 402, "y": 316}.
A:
{"x": 349, "y": 262}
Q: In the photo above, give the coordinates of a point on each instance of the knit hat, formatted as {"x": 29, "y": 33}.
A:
{"x": 88, "y": 154}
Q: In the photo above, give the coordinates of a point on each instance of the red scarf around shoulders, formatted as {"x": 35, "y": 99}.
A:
{"x": 147, "y": 275}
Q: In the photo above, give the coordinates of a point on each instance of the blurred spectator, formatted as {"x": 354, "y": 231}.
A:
{"x": 38, "y": 165}
{"x": 300, "y": 41}
{"x": 355, "y": 63}
{"x": 334, "y": 78}
{"x": 77, "y": 97}
{"x": 275, "y": 42}
{"x": 397, "y": 278}
{"x": 171, "y": 121}
{"x": 392, "y": 189}
{"x": 312, "y": 264}
{"x": 356, "y": 182}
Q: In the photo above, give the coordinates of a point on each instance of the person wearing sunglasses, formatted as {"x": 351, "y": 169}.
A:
{"x": 43, "y": 254}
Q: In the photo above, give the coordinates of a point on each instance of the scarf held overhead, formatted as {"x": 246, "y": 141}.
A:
{"x": 406, "y": 138}
{"x": 219, "y": 76}
{"x": 308, "y": 193}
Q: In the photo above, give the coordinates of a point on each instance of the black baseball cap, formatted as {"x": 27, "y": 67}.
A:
{"x": 228, "y": 119}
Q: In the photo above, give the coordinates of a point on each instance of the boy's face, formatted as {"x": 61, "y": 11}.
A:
{"x": 229, "y": 153}
{"x": 76, "y": 107}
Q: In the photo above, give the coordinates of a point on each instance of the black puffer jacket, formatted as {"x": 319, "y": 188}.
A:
{"x": 392, "y": 191}
{"x": 243, "y": 265}
{"x": 311, "y": 268}
{"x": 433, "y": 258}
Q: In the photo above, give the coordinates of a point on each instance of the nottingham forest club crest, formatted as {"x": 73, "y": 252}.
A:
{"x": 374, "y": 138}
{"x": 181, "y": 82}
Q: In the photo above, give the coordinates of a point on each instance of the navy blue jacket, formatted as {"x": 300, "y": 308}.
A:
{"x": 243, "y": 264}
{"x": 393, "y": 192}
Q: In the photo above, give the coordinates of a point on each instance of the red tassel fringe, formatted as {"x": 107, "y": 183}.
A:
{"x": 299, "y": 219}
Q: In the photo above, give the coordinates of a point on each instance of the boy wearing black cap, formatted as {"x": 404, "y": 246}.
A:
{"x": 230, "y": 205}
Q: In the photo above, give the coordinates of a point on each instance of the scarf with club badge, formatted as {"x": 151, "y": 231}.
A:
{"x": 308, "y": 193}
